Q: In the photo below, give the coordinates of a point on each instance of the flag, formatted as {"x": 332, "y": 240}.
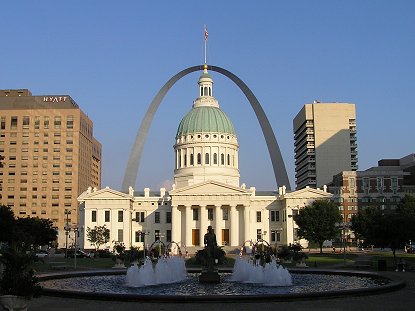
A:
{"x": 206, "y": 34}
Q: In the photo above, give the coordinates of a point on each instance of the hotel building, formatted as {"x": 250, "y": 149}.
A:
{"x": 50, "y": 157}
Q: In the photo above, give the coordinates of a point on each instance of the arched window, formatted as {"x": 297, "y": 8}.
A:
{"x": 229, "y": 159}
{"x": 207, "y": 158}
{"x": 210, "y": 91}
{"x": 222, "y": 159}
{"x": 201, "y": 91}
{"x": 179, "y": 164}
{"x": 199, "y": 158}
{"x": 215, "y": 158}
{"x": 191, "y": 159}
{"x": 205, "y": 91}
{"x": 185, "y": 160}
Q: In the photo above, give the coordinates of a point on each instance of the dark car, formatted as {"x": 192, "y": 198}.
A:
{"x": 79, "y": 254}
{"x": 410, "y": 248}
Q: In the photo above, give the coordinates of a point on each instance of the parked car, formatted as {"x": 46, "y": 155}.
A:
{"x": 79, "y": 254}
{"x": 40, "y": 253}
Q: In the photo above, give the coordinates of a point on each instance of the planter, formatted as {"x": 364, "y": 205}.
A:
{"x": 13, "y": 303}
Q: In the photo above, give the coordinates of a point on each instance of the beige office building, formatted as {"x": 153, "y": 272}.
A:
{"x": 324, "y": 142}
{"x": 50, "y": 156}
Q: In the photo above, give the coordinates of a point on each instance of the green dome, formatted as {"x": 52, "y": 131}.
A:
{"x": 205, "y": 119}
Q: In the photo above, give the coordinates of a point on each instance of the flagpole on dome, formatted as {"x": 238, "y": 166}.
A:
{"x": 205, "y": 40}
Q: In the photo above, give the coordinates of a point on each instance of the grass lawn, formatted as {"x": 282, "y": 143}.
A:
{"x": 59, "y": 264}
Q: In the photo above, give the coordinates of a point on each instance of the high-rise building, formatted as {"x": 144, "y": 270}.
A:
{"x": 324, "y": 142}
{"x": 50, "y": 156}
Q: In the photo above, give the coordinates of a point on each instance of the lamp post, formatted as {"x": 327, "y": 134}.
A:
{"x": 67, "y": 230}
{"x": 143, "y": 234}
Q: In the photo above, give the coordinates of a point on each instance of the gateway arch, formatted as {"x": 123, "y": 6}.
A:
{"x": 277, "y": 161}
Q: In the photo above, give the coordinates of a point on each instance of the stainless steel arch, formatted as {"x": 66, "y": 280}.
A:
{"x": 277, "y": 161}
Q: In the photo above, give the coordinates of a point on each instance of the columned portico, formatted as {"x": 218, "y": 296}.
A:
{"x": 246, "y": 222}
{"x": 218, "y": 224}
{"x": 234, "y": 216}
{"x": 176, "y": 224}
{"x": 203, "y": 224}
{"x": 189, "y": 225}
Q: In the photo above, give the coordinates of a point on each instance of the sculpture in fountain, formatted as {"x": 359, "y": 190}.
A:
{"x": 209, "y": 273}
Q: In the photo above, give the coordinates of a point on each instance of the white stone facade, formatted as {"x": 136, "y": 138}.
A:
{"x": 183, "y": 215}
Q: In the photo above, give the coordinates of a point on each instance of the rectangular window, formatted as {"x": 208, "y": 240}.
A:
{"x": 26, "y": 120}
{"x": 120, "y": 235}
{"x": 168, "y": 217}
{"x": 3, "y": 123}
{"x": 168, "y": 235}
{"x": 210, "y": 213}
{"x": 275, "y": 215}
{"x": 157, "y": 217}
{"x": 195, "y": 214}
{"x": 13, "y": 123}
{"x": 139, "y": 216}
{"x": 37, "y": 122}
{"x": 69, "y": 122}
{"x": 225, "y": 213}
{"x": 120, "y": 216}
{"x": 57, "y": 122}
{"x": 139, "y": 237}
{"x": 46, "y": 122}
{"x": 273, "y": 236}
{"x": 258, "y": 234}
{"x": 258, "y": 216}
{"x": 107, "y": 216}
{"x": 94, "y": 216}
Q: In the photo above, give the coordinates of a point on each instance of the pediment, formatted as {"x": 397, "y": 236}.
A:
{"x": 106, "y": 193}
{"x": 308, "y": 193}
{"x": 209, "y": 188}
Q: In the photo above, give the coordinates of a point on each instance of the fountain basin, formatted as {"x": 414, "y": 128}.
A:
{"x": 110, "y": 285}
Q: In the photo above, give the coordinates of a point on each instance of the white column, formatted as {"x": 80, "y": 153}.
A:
{"x": 234, "y": 234}
{"x": 218, "y": 222}
{"x": 247, "y": 235}
{"x": 175, "y": 224}
{"x": 188, "y": 222}
{"x": 203, "y": 223}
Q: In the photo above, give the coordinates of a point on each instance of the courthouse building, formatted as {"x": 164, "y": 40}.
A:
{"x": 206, "y": 191}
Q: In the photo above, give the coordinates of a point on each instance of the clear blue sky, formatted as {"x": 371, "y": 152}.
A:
{"x": 113, "y": 56}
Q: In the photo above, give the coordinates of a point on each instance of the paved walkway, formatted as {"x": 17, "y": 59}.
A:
{"x": 401, "y": 300}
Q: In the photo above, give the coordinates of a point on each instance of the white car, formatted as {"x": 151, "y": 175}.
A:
{"x": 40, "y": 253}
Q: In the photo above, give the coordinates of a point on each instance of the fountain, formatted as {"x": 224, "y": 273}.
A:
{"x": 250, "y": 271}
{"x": 254, "y": 276}
{"x": 167, "y": 270}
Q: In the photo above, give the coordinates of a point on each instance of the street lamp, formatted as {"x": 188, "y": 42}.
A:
{"x": 142, "y": 234}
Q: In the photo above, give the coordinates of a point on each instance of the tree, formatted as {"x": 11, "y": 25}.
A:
{"x": 7, "y": 222}
{"x": 34, "y": 232}
{"x": 386, "y": 228}
{"x": 98, "y": 236}
{"x": 28, "y": 233}
{"x": 317, "y": 222}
